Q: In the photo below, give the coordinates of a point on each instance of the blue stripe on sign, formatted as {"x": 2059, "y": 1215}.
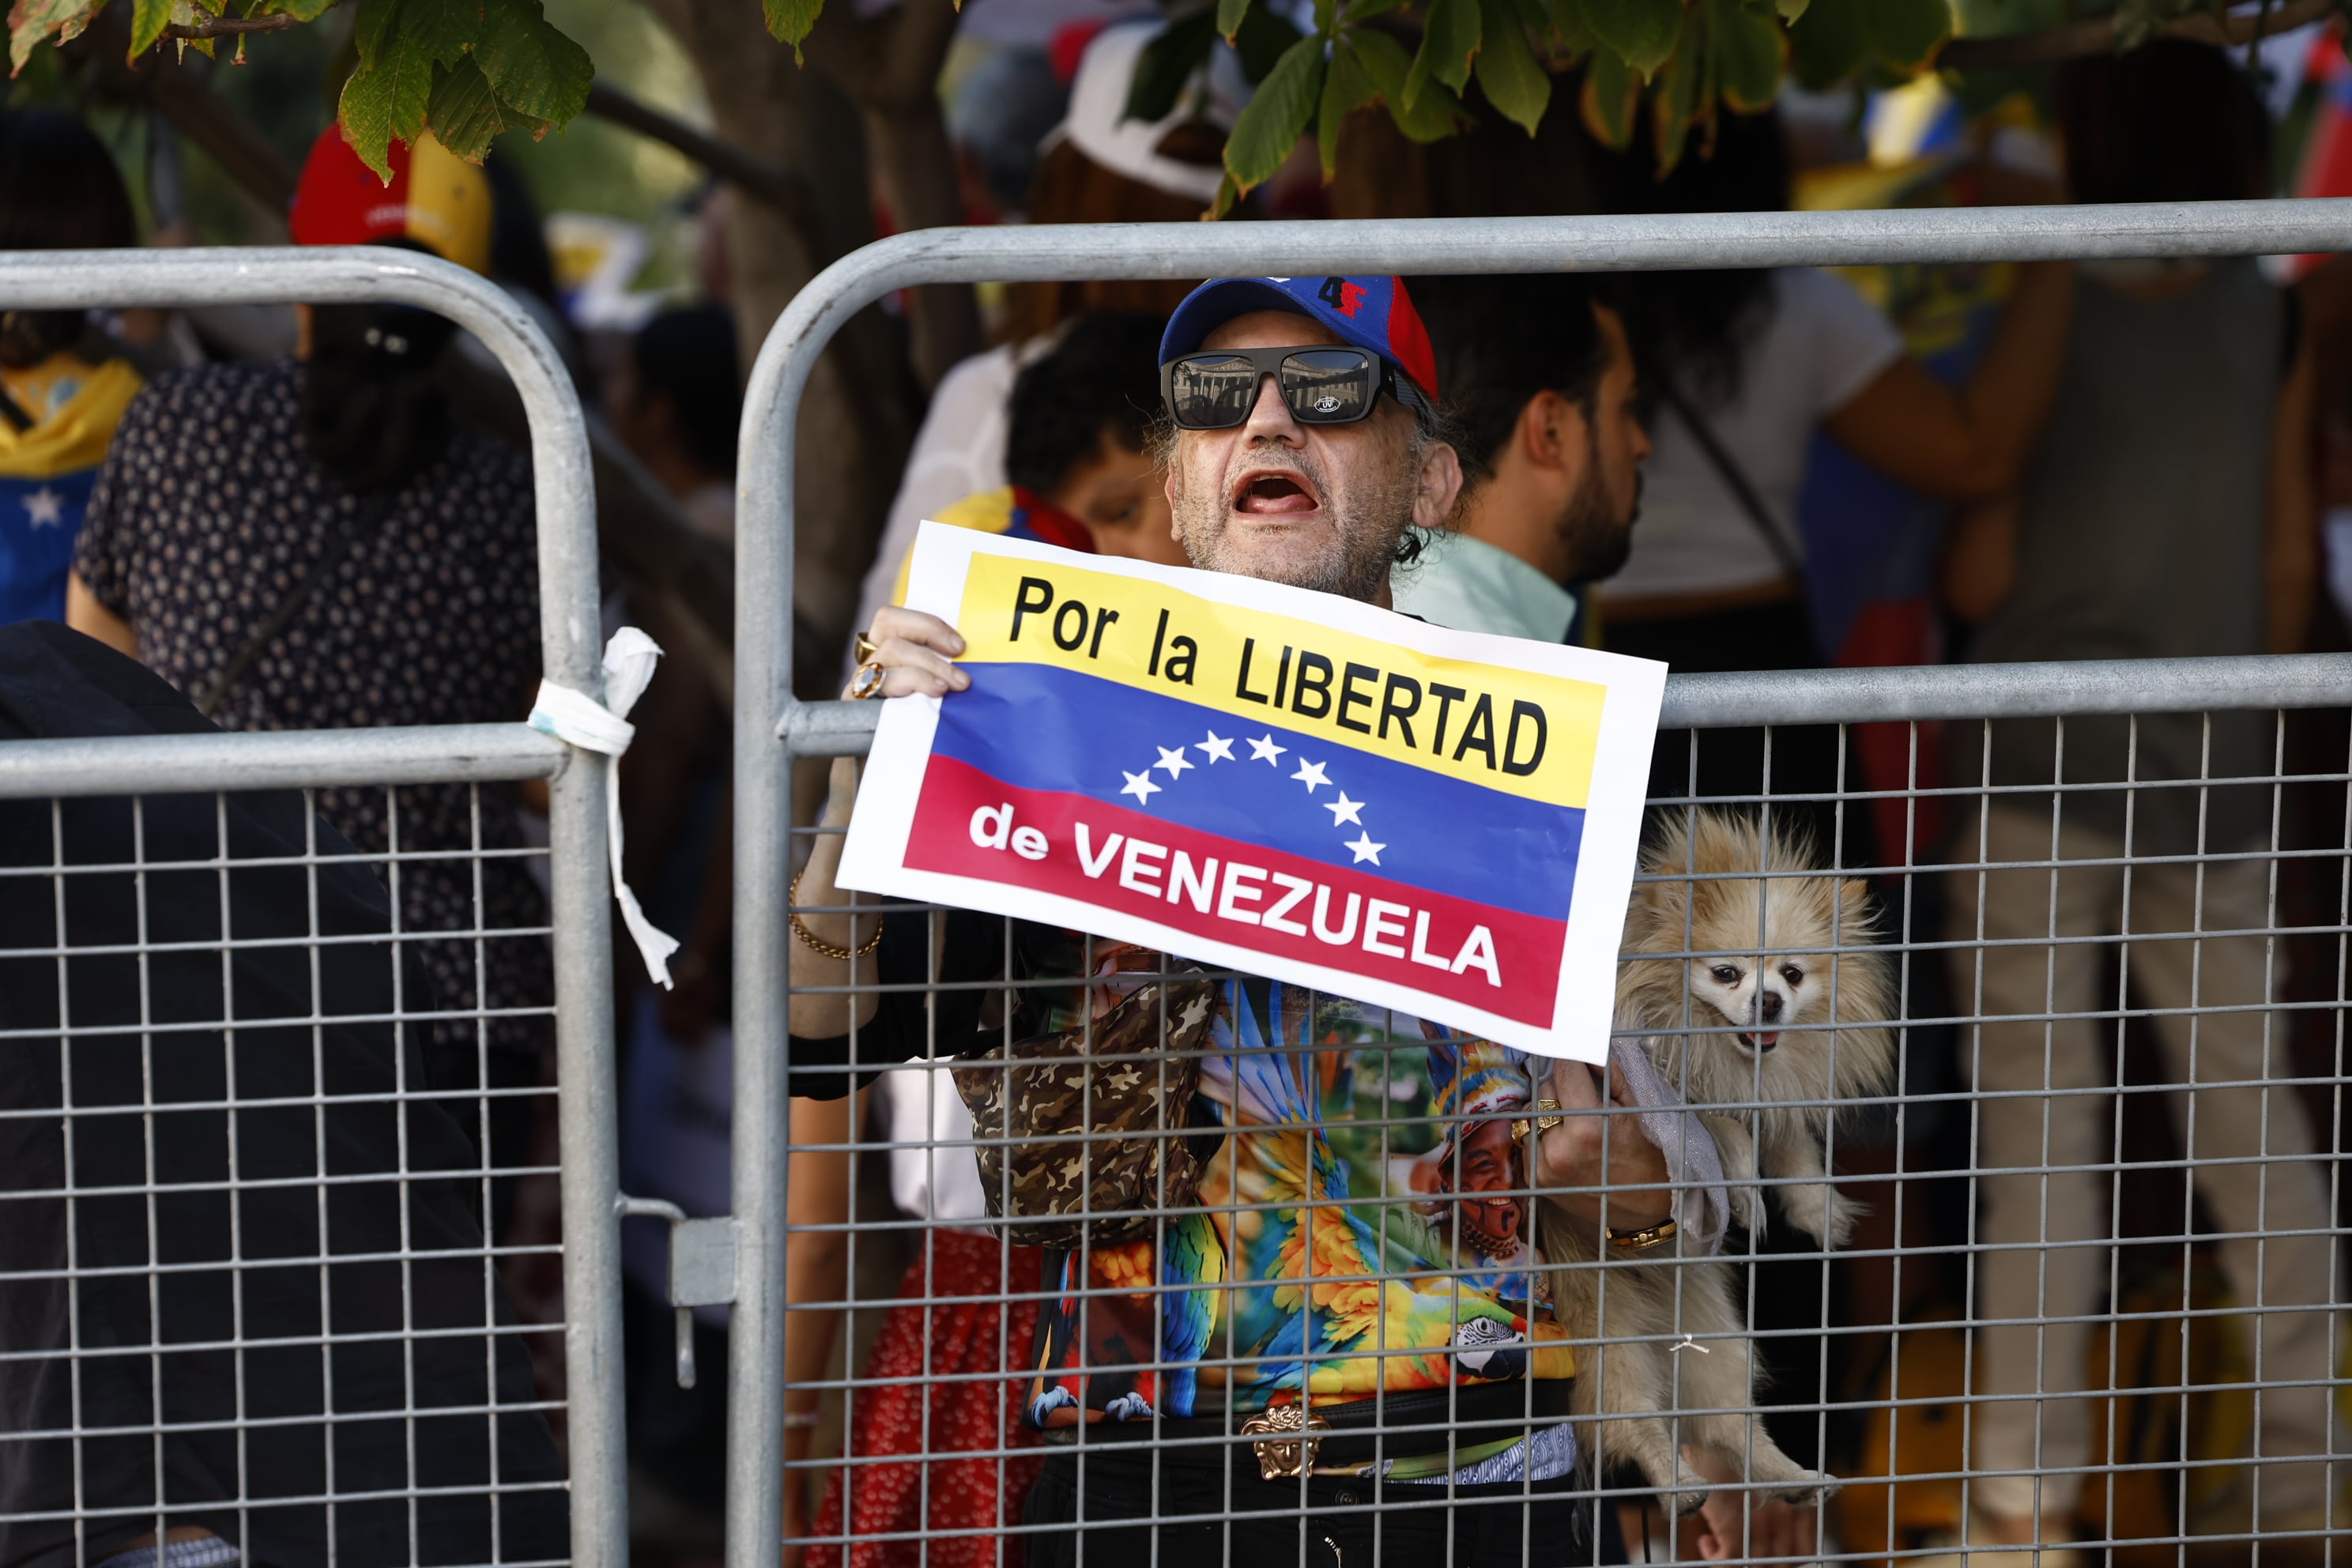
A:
{"x": 1041, "y": 727}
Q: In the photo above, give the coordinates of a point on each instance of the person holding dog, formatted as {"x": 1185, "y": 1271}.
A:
{"x": 1473, "y": 1460}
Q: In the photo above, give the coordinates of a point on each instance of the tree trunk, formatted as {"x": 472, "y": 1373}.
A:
{"x": 890, "y": 65}
{"x": 857, "y": 418}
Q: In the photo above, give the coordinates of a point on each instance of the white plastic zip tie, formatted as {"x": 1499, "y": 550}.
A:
{"x": 578, "y": 719}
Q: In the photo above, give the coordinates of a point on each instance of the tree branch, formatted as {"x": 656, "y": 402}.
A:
{"x": 173, "y": 89}
{"x": 781, "y": 188}
{"x": 2097, "y": 37}
{"x": 224, "y": 27}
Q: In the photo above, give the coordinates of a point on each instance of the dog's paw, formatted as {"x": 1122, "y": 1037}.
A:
{"x": 1688, "y": 1495}
{"x": 1816, "y": 1209}
{"x": 1806, "y": 1486}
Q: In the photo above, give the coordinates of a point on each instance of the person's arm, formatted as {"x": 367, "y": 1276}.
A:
{"x": 1980, "y": 559}
{"x": 1969, "y": 444}
{"x": 816, "y": 1282}
{"x": 914, "y": 651}
{"x": 85, "y": 615}
{"x": 2290, "y": 557}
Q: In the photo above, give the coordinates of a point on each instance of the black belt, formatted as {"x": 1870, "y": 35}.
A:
{"x": 1345, "y": 1437}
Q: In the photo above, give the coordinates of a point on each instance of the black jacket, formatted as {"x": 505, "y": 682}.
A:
{"x": 155, "y": 1328}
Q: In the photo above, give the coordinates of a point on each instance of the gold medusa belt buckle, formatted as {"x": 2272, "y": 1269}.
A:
{"x": 1285, "y": 1452}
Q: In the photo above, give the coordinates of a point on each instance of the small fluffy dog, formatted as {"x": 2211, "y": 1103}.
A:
{"x": 1796, "y": 1002}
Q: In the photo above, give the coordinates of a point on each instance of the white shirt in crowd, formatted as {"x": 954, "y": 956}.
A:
{"x": 918, "y": 1107}
{"x": 959, "y": 452}
{"x": 1824, "y": 343}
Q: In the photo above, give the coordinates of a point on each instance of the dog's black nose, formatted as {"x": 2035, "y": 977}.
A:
{"x": 1773, "y": 1004}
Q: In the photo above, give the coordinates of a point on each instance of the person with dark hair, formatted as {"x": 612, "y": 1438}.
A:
{"x": 1079, "y": 434}
{"x": 2167, "y": 512}
{"x": 63, "y": 387}
{"x": 1745, "y": 366}
{"x": 676, "y": 400}
{"x": 1542, "y": 386}
{"x": 1077, "y": 450}
{"x": 315, "y": 544}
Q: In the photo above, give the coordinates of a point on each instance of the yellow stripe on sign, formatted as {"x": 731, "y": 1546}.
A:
{"x": 1510, "y": 729}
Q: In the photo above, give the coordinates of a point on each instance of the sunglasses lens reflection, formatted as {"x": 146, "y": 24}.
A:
{"x": 1328, "y": 386}
{"x": 1211, "y": 392}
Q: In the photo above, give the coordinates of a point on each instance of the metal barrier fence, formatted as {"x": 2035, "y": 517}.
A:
{"x": 246, "y": 1278}
{"x": 2136, "y": 1342}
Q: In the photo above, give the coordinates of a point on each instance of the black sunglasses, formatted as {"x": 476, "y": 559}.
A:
{"x": 1323, "y": 385}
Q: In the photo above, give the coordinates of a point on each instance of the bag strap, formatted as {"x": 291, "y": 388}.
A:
{"x": 374, "y": 509}
{"x": 1734, "y": 477}
{"x": 14, "y": 412}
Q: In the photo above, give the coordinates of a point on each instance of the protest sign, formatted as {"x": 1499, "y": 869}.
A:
{"x": 1271, "y": 779}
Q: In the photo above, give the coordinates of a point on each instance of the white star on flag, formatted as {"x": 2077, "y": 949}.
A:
{"x": 1345, "y": 810}
{"x": 1174, "y": 759}
{"x": 1365, "y": 849}
{"x": 1263, "y": 750}
{"x": 1141, "y": 786}
{"x": 1311, "y": 774}
{"x": 1220, "y": 750}
{"x": 45, "y": 507}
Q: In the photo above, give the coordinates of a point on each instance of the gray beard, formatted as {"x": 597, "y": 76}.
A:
{"x": 1356, "y": 570}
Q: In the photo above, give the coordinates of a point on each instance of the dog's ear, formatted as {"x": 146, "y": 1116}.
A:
{"x": 1854, "y": 900}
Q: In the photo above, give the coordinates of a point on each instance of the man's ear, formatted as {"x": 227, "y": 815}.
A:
{"x": 1441, "y": 486}
{"x": 1552, "y": 431}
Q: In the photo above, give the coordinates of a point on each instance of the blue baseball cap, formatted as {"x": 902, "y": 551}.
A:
{"x": 1374, "y": 314}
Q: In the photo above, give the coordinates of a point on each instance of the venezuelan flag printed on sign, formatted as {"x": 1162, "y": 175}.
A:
{"x": 1273, "y": 779}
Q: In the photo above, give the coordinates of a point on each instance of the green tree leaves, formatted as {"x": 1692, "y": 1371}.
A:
{"x": 1834, "y": 40}
{"x": 1449, "y": 37}
{"x": 1276, "y": 115}
{"x": 1510, "y": 76}
{"x": 467, "y": 71}
{"x": 1641, "y": 33}
{"x": 32, "y": 21}
{"x": 789, "y": 21}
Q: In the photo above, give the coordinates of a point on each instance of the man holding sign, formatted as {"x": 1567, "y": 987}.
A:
{"x": 1345, "y": 1268}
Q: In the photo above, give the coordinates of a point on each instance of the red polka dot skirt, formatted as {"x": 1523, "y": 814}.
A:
{"x": 960, "y": 1482}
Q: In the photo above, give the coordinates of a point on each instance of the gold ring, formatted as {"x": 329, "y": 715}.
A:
{"x": 864, "y": 648}
{"x": 867, "y": 681}
{"x": 1521, "y": 1126}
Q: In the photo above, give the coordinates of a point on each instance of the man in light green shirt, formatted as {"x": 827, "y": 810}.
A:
{"x": 1541, "y": 377}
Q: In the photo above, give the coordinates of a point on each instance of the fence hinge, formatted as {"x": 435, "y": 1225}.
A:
{"x": 702, "y": 1254}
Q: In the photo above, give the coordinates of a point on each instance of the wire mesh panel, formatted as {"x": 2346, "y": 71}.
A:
{"x": 1967, "y": 1178}
{"x": 277, "y": 1233}
{"x": 1855, "y": 1196}
{"x": 308, "y": 1230}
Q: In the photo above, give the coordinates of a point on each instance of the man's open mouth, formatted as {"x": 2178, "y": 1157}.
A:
{"x": 1762, "y": 1039}
{"x": 1271, "y": 493}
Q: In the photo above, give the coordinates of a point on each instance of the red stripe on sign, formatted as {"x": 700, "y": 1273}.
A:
{"x": 968, "y": 824}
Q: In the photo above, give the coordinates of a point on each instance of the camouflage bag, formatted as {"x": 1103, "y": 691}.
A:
{"x": 1111, "y": 1079}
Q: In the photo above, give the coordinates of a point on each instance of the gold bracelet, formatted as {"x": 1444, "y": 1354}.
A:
{"x": 817, "y": 943}
{"x": 1642, "y": 1240}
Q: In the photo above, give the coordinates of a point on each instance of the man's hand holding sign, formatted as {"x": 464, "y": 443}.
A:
{"x": 1376, "y": 862}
